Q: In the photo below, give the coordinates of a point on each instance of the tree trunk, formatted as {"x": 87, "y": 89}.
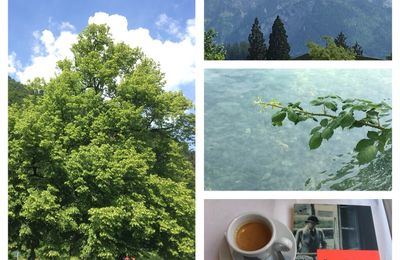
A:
{"x": 32, "y": 254}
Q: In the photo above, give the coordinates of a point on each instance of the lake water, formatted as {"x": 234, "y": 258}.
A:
{"x": 243, "y": 151}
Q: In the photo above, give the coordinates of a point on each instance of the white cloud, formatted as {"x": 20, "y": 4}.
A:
{"x": 191, "y": 29}
{"x": 43, "y": 63}
{"x": 13, "y": 63}
{"x": 36, "y": 35}
{"x": 170, "y": 25}
{"x": 66, "y": 26}
{"x": 176, "y": 58}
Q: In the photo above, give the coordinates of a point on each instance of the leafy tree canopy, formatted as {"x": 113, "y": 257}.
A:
{"x": 330, "y": 52}
{"x": 212, "y": 50}
{"x": 99, "y": 159}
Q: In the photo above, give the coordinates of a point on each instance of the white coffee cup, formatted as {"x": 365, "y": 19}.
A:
{"x": 268, "y": 251}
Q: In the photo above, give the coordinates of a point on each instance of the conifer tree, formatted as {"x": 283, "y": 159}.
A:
{"x": 340, "y": 40}
{"x": 358, "y": 49}
{"x": 278, "y": 45}
{"x": 257, "y": 49}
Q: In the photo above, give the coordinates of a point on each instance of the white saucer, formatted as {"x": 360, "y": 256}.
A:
{"x": 225, "y": 252}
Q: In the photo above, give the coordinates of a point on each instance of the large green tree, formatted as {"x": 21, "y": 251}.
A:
{"x": 213, "y": 50}
{"x": 279, "y": 48}
{"x": 99, "y": 159}
{"x": 257, "y": 49}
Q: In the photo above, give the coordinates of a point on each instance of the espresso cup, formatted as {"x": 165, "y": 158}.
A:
{"x": 273, "y": 243}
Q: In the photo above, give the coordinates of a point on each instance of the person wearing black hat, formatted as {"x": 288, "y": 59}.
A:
{"x": 310, "y": 238}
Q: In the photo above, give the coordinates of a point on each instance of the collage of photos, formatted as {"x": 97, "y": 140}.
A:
{"x": 199, "y": 130}
{"x": 297, "y": 129}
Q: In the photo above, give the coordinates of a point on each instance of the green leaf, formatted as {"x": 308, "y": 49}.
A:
{"x": 386, "y": 133}
{"x": 296, "y": 105}
{"x": 292, "y": 116}
{"x": 348, "y": 100}
{"x": 278, "y": 117}
{"x": 372, "y": 113}
{"x": 316, "y": 102}
{"x": 327, "y": 133}
{"x": 373, "y": 135}
{"x": 381, "y": 147}
{"x": 277, "y": 123}
{"x": 367, "y": 154}
{"x": 315, "y": 141}
{"x": 363, "y": 143}
{"x": 335, "y": 123}
{"x": 324, "y": 122}
{"x": 347, "y": 120}
{"x": 357, "y": 124}
{"x": 315, "y": 129}
{"x": 330, "y": 105}
{"x": 360, "y": 107}
{"x": 302, "y": 118}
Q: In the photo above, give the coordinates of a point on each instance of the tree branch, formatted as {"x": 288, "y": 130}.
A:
{"x": 326, "y": 115}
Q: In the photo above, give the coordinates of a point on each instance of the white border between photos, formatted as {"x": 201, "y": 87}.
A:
{"x": 199, "y": 130}
{"x": 201, "y": 195}
{"x": 395, "y": 194}
{"x": 3, "y": 129}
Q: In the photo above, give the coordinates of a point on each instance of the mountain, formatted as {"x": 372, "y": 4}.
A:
{"x": 369, "y": 22}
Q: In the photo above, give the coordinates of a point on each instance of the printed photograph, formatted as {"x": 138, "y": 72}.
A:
{"x": 298, "y": 30}
{"x": 101, "y": 130}
{"x": 333, "y": 227}
{"x": 298, "y": 129}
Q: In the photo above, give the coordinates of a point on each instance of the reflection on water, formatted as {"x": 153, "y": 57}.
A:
{"x": 243, "y": 151}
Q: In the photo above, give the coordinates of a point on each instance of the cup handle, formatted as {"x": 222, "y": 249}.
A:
{"x": 283, "y": 244}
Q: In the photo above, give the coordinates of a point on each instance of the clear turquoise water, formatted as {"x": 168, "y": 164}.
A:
{"x": 243, "y": 151}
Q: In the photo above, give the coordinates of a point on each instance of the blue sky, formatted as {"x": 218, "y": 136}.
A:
{"x": 36, "y": 27}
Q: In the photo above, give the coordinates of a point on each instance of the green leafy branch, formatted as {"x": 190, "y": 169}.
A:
{"x": 338, "y": 112}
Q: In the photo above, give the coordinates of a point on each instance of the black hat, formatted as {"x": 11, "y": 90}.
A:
{"x": 312, "y": 219}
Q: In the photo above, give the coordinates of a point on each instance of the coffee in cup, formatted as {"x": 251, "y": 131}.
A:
{"x": 253, "y": 236}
